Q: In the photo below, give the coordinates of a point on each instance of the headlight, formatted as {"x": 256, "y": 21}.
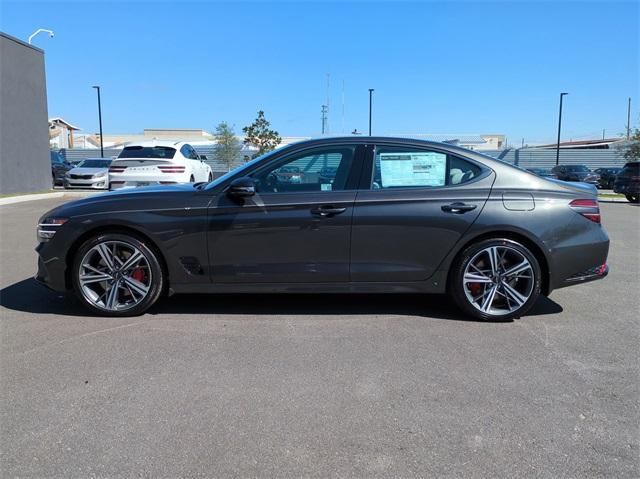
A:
{"x": 102, "y": 174}
{"x": 47, "y": 227}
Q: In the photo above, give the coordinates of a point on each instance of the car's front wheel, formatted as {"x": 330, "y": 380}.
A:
{"x": 633, "y": 198}
{"x": 497, "y": 279}
{"x": 117, "y": 274}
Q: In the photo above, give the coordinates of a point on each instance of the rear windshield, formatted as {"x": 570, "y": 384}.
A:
{"x": 147, "y": 152}
{"x": 577, "y": 168}
{"x": 94, "y": 164}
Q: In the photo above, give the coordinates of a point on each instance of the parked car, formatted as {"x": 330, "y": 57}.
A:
{"x": 401, "y": 216}
{"x": 59, "y": 168}
{"x": 543, "y": 172}
{"x": 607, "y": 177}
{"x": 628, "y": 182}
{"x": 90, "y": 173}
{"x": 575, "y": 173}
{"x": 157, "y": 163}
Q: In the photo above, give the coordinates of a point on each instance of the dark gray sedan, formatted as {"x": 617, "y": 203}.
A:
{"x": 352, "y": 215}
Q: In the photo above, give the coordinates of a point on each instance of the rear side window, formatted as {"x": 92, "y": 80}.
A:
{"x": 633, "y": 167}
{"x": 165, "y": 152}
{"x": 417, "y": 168}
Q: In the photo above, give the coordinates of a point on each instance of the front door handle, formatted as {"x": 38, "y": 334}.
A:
{"x": 458, "y": 208}
{"x": 327, "y": 211}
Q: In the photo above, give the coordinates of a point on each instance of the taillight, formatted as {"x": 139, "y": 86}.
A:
{"x": 172, "y": 169}
{"x": 587, "y": 208}
{"x": 117, "y": 169}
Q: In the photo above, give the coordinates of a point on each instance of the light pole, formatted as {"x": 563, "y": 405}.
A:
{"x": 40, "y": 30}
{"x": 559, "y": 128}
{"x": 100, "y": 120}
{"x": 628, "y": 118}
{"x": 370, "y": 104}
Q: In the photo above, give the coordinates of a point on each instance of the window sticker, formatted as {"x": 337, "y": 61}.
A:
{"x": 413, "y": 169}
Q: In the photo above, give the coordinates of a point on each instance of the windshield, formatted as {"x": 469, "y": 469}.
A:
{"x": 147, "y": 152}
{"x": 577, "y": 168}
{"x": 94, "y": 163}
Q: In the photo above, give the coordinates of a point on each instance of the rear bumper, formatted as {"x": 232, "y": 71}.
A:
{"x": 117, "y": 181}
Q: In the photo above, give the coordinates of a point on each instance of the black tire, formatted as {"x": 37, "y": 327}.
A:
{"x": 192, "y": 179}
{"x": 157, "y": 283}
{"x": 456, "y": 282}
{"x": 633, "y": 198}
{"x": 210, "y": 177}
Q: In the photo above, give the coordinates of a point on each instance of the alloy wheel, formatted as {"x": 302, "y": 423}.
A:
{"x": 498, "y": 280}
{"x": 114, "y": 276}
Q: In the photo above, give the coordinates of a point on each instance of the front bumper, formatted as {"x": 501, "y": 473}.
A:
{"x": 94, "y": 183}
{"x": 51, "y": 271}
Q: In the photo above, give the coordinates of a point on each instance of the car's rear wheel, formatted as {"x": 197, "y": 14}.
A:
{"x": 633, "y": 198}
{"x": 192, "y": 179}
{"x": 497, "y": 280}
{"x": 210, "y": 177}
{"x": 117, "y": 275}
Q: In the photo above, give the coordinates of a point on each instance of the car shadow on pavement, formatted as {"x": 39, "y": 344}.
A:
{"x": 30, "y": 297}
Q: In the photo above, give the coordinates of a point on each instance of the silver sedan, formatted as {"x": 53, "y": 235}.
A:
{"x": 92, "y": 173}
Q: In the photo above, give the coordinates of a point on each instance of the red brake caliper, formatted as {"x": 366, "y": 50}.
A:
{"x": 139, "y": 275}
{"x": 475, "y": 288}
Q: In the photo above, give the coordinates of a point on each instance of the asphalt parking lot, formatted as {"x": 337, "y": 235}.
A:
{"x": 347, "y": 386}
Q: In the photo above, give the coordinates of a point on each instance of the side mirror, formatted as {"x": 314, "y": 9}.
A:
{"x": 242, "y": 188}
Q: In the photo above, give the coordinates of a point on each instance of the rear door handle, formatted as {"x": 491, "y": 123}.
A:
{"x": 458, "y": 208}
{"x": 327, "y": 211}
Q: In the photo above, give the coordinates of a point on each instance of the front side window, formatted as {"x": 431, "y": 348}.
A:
{"x": 324, "y": 169}
{"x": 418, "y": 168}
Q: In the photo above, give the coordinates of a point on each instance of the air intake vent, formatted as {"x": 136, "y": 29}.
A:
{"x": 191, "y": 265}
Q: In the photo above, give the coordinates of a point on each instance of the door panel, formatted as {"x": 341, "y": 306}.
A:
{"x": 403, "y": 233}
{"x": 281, "y": 237}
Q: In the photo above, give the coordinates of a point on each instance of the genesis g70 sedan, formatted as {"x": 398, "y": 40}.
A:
{"x": 353, "y": 215}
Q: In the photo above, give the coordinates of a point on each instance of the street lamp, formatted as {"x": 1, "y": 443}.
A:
{"x": 559, "y": 127}
{"x": 40, "y": 30}
{"x": 100, "y": 120}
{"x": 370, "y": 103}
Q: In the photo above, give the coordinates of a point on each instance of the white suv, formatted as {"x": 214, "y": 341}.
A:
{"x": 157, "y": 163}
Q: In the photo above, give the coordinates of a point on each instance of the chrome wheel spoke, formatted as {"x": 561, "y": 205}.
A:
{"x": 135, "y": 285}
{"x": 493, "y": 259}
{"x": 514, "y": 295}
{"x": 488, "y": 300}
{"x": 519, "y": 268}
{"x": 106, "y": 256}
{"x": 132, "y": 260}
{"x": 477, "y": 278}
{"x": 94, "y": 278}
{"x": 111, "y": 302}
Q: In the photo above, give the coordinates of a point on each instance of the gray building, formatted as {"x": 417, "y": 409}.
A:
{"x": 25, "y": 164}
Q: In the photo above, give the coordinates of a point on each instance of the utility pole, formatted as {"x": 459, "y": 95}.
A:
{"x": 629, "y": 119}
{"x": 100, "y": 121}
{"x": 324, "y": 118}
{"x": 559, "y": 128}
{"x": 603, "y": 133}
{"x": 370, "y": 105}
{"x": 522, "y": 146}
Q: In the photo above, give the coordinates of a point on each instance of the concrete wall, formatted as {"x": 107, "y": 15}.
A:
{"x": 25, "y": 164}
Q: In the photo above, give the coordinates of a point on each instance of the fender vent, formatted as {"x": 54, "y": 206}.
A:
{"x": 191, "y": 265}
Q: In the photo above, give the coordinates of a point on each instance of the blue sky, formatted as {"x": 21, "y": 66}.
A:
{"x": 454, "y": 67}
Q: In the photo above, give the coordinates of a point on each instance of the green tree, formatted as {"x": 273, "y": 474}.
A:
{"x": 259, "y": 135}
{"x": 228, "y": 147}
{"x": 632, "y": 149}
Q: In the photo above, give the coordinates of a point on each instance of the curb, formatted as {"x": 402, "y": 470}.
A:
{"x": 43, "y": 196}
